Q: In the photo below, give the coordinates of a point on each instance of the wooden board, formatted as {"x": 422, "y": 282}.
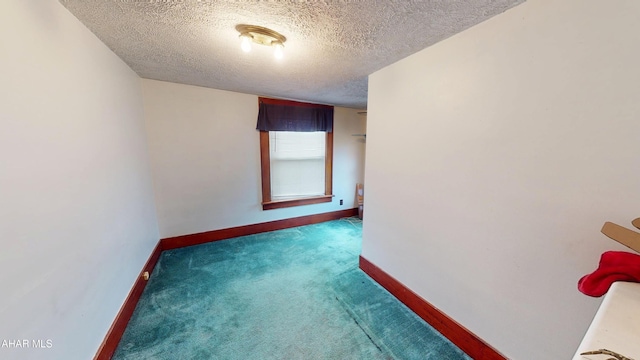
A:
{"x": 636, "y": 223}
{"x": 360, "y": 194}
{"x": 624, "y": 236}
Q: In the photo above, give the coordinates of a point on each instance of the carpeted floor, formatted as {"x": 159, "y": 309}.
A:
{"x": 288, "y": 294}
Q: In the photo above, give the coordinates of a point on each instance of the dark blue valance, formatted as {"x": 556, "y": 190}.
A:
{"x": 285, "y": 115}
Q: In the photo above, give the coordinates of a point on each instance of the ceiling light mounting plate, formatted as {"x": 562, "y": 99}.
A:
{"x": 261, "y": 35}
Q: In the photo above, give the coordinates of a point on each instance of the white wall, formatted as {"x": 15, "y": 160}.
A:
{"x": 205, "y": 154}
{"x": 494, "y": 158}
{"x": 77, "y": 219}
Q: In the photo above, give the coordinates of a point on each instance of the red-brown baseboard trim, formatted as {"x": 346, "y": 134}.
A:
{"x": 111, "y": 340}
{"x": 472, "y": 345}
{"x": 215, "y": 235}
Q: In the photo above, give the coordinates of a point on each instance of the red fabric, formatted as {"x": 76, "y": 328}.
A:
{"x": 614, "y": 266}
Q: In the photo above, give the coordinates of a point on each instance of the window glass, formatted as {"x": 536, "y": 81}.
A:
{"x": 297, "y": 161}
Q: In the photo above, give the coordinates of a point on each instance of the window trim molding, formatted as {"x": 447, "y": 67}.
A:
{"x": 265, "y": 173}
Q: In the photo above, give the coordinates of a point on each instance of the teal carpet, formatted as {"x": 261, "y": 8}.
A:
{"x": 288, "y": 294}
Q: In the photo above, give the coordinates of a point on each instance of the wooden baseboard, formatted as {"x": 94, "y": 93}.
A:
{"x": 468, "y": 342}
{"x": 111, "y": 340}
{"x": 215, "y": 235}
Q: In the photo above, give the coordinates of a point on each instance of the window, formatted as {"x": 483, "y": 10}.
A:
{"x": 297, "y": 164}
{"x": 296, "y": 152}
{"x": 297, "y": 168}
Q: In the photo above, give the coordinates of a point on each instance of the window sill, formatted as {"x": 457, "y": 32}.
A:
{"x": 296, "y": 202}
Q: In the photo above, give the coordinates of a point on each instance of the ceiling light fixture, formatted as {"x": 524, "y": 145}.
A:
{"x": 263, "y": 36}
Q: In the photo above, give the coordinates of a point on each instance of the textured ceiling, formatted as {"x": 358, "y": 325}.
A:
{"x": 331, "y": 47}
